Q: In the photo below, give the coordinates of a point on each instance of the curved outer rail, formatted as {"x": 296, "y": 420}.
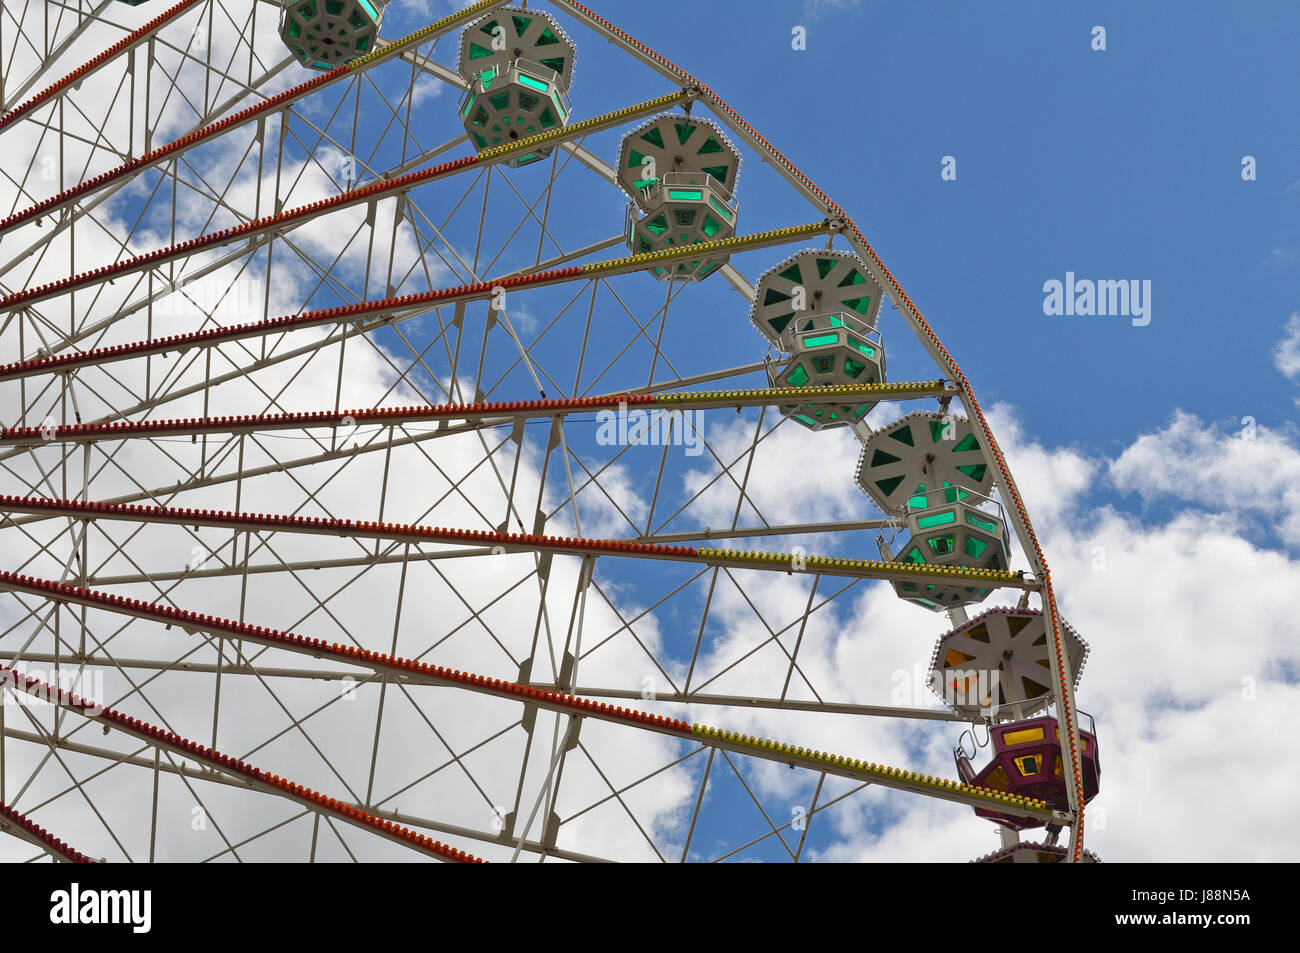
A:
{"x": 1063, "y": 687}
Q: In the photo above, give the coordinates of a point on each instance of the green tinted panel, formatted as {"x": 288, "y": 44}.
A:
{"x": 820, "y": 340}
{"x": 369, "y": 8}
{"x": 976, "y": 471}
{"x": 719, "y": 172}
{"x": 904, "y": 435}
{"x": 792, "y": 274}
{"x": 938, "y": 428}
{"x": 975, "y": 547}
{"x": 547, "y": 38}
{"x": 546, "y": 119}
{"x": 477, "y": 52}
{"x": 798, "y": 377}
{"x": 887, "y": 487}
{"x": 854, "y": 277}
{"x": 966, "y": 443}
{"x": 987, "y": 525}
{"x": 853, "y": 368}
{"x": 521, "y": 24}
{"x": 879, "y": 458}
{"x": 333, "y": 7}
{"x": 710, "y": 146}
{"x": 711, "y": 226}
{"x": 720, "y": 208}
{"x": 860, "y": 305}
{"x": 684, "y": 131}
{"x": 866, "y": 349}
{"x": 938, "y": 519}
{"x": 808, "y": 420}
{"x": 534, "y": 83}
{"x": 825, "y": 266}
{"x": 500, "y": 100}
{"x": 307, "y": 11}
{"x": 914, "y": 556}
{"x": 778, "y": 324}
{"x": 555, "y": 62}
{"x": 654, "y": 137}
{"x": 658, "y": 225}
{"x": 295, "y": 29}
{"x": 685, "y": 194}
{"x": 941, "y": 545}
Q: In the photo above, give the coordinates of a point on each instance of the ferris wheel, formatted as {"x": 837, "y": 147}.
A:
{"x": 390, "y": 424}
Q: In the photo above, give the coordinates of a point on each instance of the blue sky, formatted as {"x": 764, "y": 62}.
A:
{"x": 1117, "y": 164}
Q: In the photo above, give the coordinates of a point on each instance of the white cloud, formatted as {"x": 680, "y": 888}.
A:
{"x": 1253, "y": 473}
{"x": 817, "y": 9}
{"x": 1193, "y": 653}
{"x": 1287, "y": 355}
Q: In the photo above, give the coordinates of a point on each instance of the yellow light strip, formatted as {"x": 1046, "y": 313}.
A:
{"x": 594, "y": 124}
{"x": 874, "y": 772}
{"x": 819, "y": 393}
{"x": 708, "y": 249}
{"x": 874, "y": 567}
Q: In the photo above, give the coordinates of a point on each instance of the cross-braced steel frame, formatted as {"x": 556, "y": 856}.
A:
{"x": 290, "y": 483}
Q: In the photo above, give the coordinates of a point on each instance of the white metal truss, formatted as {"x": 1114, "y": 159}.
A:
{"x": 314, "y": 211}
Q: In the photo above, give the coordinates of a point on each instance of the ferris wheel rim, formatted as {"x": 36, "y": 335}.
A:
{"x": 845, "y": 227}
